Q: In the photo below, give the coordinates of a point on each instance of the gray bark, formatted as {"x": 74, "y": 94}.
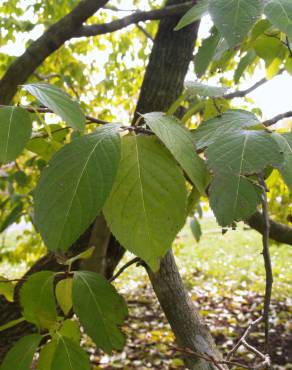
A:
{"x": 189, "y": 328}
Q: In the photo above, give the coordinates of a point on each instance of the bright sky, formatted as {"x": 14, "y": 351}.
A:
{"x": 272, "y": 98}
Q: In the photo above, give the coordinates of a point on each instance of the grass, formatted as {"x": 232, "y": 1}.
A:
{"x": 227, "y": 262}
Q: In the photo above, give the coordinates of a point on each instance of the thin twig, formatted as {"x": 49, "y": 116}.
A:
{"x": 208, "y": 358}
{"x": 31, "y": 109}
{"x": 123, "y": 268}
{"x": 251, "y": 326}
{"x": 243, "y": 93}
{"x": 267, "y": 260}
{"x": 252, "y": 349}
{"x": 277, "y": 118}
{"x": 146, "y": 33}
{"x": 11, "y": 280}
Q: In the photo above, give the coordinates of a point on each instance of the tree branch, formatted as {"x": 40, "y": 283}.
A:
{"x": 277, "y": 118}
{"x": 243, "y": 93}
{"x": 279, "y": 232}
{"x": 123, "y": 268}
{"x": 44, "y": 46}
{"x": 138, "y": 16}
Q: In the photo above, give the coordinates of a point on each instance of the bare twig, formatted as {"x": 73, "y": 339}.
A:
{"x": 11, "y": 280}
{"x": 47, "y": 110}
{"x": 123, "y": 268}
{"x": 267, "y": 260}
{"x": 42, "y": 77}
{"x": 252, "y": 349}
{"x": 242, "y": 93}
{"x": 251, "y": 326}
{"x": 146, "y": 33}
{"x": 208, "y": 358}
{"x": 277, "y": 118}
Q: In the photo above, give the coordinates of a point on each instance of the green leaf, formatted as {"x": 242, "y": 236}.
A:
{"x": 285, "y": 143}
{"x": 180, "y": 143}
{"x": 73, "y": 188}
{"x": 13, "y": 216}
{"x": 288, "y": 66}
{"x": 149, "y": 187}
{"x": 206, "y": 52}
{"x": 193, "y": 14}
{"x": 267, "y": 48}
{"x": 259, "y": 28}
{"x": 42, "y": 147}
{"x": 46, "y": 355}
{"x": 83, "y": 255}
{"x": 193, "y": 199}
{"x": 245, "y": 61}
{"x": 21, "y": 354}
{"x": 59, "y": 102}
{"x": 101, "y": 310}
{"x": 279, "y": 12}
{"x": 71, "y": 329}
{"x": 244, "y": 152}
{"x": 64, "y": 294}
{"x": 15, "y": 131}
{"x": 230, "y": 121}
{"x": 38, "y": 301}
{"x": 69, "y": 356}
{"x": 232, "y": 198}
{"x": 6, "y": 288}
{"x": 234, "y": 18}
{"x": 197, "y": 88}
{"x": 196, "y": 229}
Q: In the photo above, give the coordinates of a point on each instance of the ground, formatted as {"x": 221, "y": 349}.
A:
{"x": 224, "y": 275}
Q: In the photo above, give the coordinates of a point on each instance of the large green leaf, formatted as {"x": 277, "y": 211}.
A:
{"x": 21, "y": 354}
{"x": 279, "y": 12}
{"x": 15, "y": 131}
{"x": 197, "y": 88}
{"x": 193, "y": 14}
{"x": 38, "y": 301}
{"x": 180, "y": 143}
{"x": 206, "y": 52}
{"x": 101, "y": 310}
{"x": 147, "y": 205}
{"x": 73, "y": 188}
{"x": 59, "y": 102}
{"x": 285, "y": 143}
{"x": 69, "y": 355}
{"x": 244, "y": 152}
{"x": 229, "y": 121}
{"x": 234, "y": 18}
{"x": 232, "y": 198}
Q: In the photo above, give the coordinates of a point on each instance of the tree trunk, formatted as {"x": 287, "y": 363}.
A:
{"x": 189, "y": 328}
